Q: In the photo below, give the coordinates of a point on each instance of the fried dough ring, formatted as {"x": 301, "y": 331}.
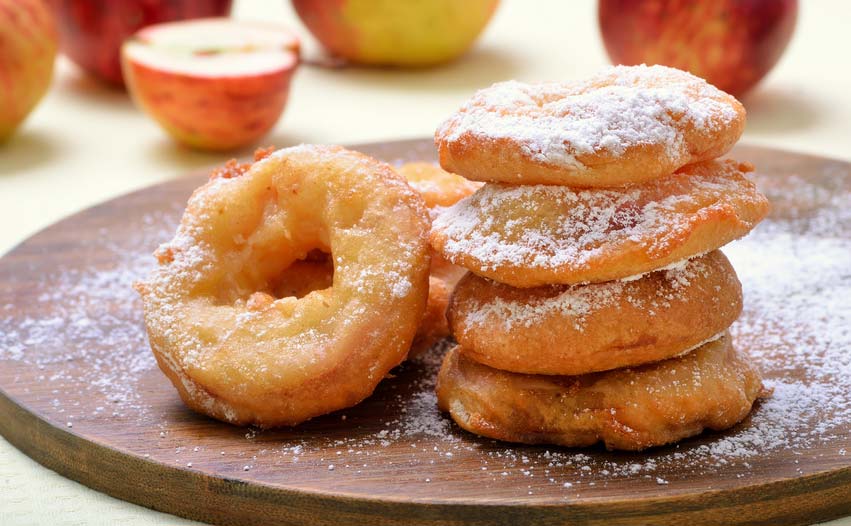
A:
{"x": 303, "y": 277}
{"x": 236, "y": 353}
{"x": 437, "y": 186}
{"x": 434, "y": 326}
{"x": 439, "y": 189}
{"x": 578, "y": 329}
{"x": 526, "y": 236}
{"x": 625, "y": 125}
{"x": 712, "y": 387}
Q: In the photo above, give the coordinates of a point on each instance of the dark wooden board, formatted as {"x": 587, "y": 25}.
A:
{"x": 79, "y": 392}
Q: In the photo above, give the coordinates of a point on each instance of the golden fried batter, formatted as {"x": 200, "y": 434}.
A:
{"x": 526, "y": 236}
{"x": 578, "y": 329}
{"x": 434, "y": 326}
{"x": 236, "y": 352}
{"x": 437, "y": 186}
{"x": 625, "y": 125}
{"x": 712, "y": 387}
{"x": 304, "y": 277}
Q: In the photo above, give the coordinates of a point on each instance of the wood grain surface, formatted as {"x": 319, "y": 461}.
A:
{"x": 80, "y": 393}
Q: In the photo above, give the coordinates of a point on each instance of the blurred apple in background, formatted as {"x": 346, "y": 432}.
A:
{"x": 730, "y": 43}
{"x": 396, "y": 32}
{"x": 213, "y": 84}
{"x": 28, "y": 45}
{"x": 92, "y": 31}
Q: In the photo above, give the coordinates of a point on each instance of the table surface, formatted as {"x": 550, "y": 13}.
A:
{"x": 86, "y": 143}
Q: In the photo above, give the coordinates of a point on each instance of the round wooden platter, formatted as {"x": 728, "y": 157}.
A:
{"x": 80, "y": 393}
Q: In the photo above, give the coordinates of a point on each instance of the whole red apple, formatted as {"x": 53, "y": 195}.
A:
{"x": 28, "y": 43}
{"x": 213, "y": 83}
{"x": 92, "y": 31}
{"x": 730, "y": 43}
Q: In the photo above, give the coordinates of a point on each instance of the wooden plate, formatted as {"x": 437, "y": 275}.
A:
{"x": 80, "y": 393}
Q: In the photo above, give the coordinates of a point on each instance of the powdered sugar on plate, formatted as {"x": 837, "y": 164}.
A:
{"x": 81, "y": 328}
{"x": 92, "y": 307}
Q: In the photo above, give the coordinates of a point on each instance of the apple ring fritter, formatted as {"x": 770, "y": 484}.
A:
{"x": 578, "y": 329}
{"x": 434, "y": 326}
{"x": 316, "y": 272}
{"x": 712, "y": 387}
{"x": 439, "y": 189}
{"x": 627, "y": 124}
{"x": 526, "y": 236}
{"x": 304, "y": 277}
{"x": 235, "y": 351}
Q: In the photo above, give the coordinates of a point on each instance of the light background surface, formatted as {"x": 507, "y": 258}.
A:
{"x": 86, "y": 143}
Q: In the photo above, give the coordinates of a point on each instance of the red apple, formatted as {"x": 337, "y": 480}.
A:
{"x": 215, "y": 83}
{"x": 92, "y": 31}
{"x": 396, "y": 33}
{"x": 730, "y": 43}
{"x": 28, "y": 43}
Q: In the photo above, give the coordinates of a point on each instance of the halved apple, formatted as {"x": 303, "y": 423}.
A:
{"x": 215, "y": 83}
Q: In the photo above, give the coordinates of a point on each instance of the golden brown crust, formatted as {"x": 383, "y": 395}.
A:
{"x": 528, "y": 236}
{"x": 434, "y": 325}
{"x": 316, "y": 271}
{"x": 570, "y": 330}
{"x": 625, "y": 125}
{"x": 236, "y": 352}
{"x": 437, "y": 186}
{"x": 304, "y": 277}
{"x": 712, "y": 387}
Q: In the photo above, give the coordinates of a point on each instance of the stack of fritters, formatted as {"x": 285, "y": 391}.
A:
{"x": 597, "y": 304}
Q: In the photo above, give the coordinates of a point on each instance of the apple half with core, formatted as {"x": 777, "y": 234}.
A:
{"x": 730, "y": 43}
{"x": 92, "y": 31}
{"x": 396, "y": 32}
{"x": 28, "y": 43}
{"x": 215, "y": 83}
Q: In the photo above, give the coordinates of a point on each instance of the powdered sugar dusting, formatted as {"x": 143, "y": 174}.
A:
{"x": 85, "y": 335}
{"x": 212, "y": 293}
{"x": 94, "y": 308}
{"x": 673, "y": 268}
{"x": 543, "y": 227}
{"x": 622, "y": 107}
{"x": 574, "y": 303}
